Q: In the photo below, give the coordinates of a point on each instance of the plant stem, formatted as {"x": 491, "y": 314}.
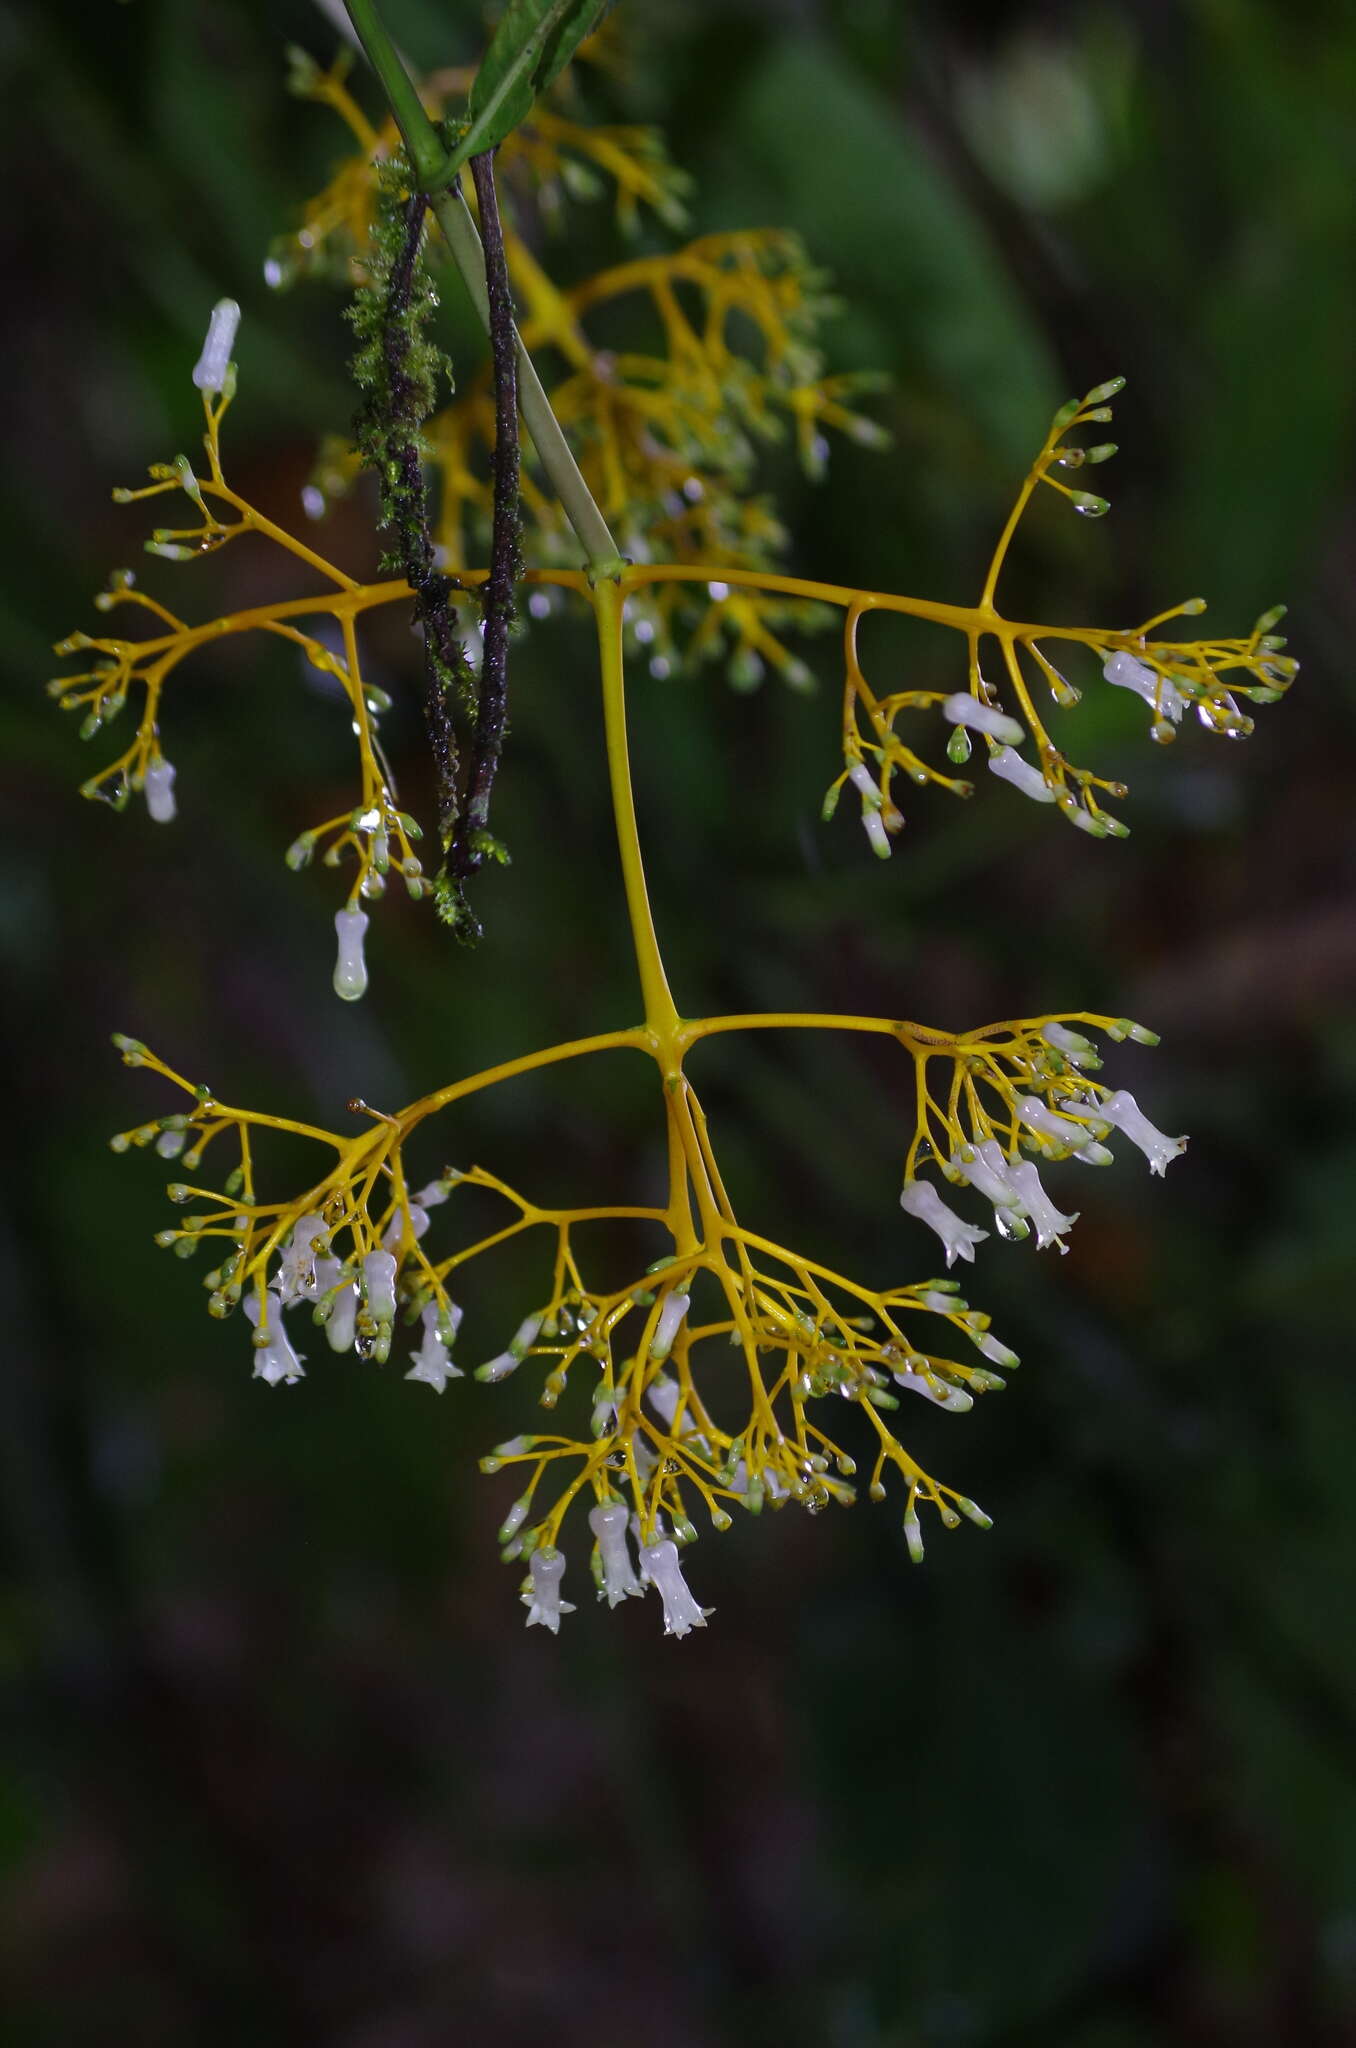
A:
{"x": 428, "y": 157}
{"x": 661, "y": 1017}
{"x": 471, "y": 841}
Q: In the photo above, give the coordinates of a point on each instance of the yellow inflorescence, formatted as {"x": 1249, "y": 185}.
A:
{"x": 703, "y": 1376}
{"x": 667, "y": 434}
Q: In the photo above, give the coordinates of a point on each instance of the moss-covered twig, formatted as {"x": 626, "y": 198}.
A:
{"x": 399, "y": 369}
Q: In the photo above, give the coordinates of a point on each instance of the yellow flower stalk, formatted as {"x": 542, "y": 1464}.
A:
{"x": 705, "y": 1382}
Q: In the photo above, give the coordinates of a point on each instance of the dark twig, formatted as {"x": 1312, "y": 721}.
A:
{"x": 473, "y": 840}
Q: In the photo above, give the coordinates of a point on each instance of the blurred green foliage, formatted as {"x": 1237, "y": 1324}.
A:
{"x": 283, "y": 1765}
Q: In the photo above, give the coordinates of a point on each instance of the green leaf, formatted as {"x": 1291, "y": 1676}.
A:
{"x": 534, "y": 41}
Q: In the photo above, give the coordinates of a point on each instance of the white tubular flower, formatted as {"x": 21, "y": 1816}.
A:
{"x": 996, "y": 1353}
{"x": 968, "y": 1162}
{"x": 1160, "y": 693}
{"x": 961, "y": 709}
{"x": 395, "y": 1229}
{"x": 213, "y": 365}
{"x": 922, "y": 1200}
{"x": 544, "y": 1604}
{"x": 433, "y": 1196}
{"x": 274, "y": 1358}
{"x": 954, "y": 1399}
{"x": 662, "y": 1567}
{"x": 1124, "y": 1112}
{"x": 608, "y": 1522}
{"x": 1059, "y": 1129}
{"x": 432, "y": 1364}
{"x": 670, "y": 1321}
{"x": 350, "y": 969}
{"x": 297, "y": 1272}
{"x": 1077, "y": 1050}
{"x": 1095, "y": 1154}
{"x": 1049, "y": 1221}
{"x": 170, "y": 1144}
{"x": 864, "y": 782}
{"x": 1010, "y": 767}
{"x": 158, "y": 789}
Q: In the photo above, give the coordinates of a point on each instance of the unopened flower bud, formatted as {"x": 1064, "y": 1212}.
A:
{"x": 158, "y": 787}
{"x": 379, "y": 1272}
{"x": 963, "y": 709}
{"x": 213, "y": 365}
{"x": 667, "y": 1327}
{"x": 1010, "y": 767}
{"x": 350, "y": 971}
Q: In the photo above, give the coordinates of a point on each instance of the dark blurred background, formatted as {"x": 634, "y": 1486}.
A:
{"x": 281, "y": 1763}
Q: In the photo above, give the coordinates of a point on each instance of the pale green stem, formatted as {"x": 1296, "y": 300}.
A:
{"x": 429, "y": 160}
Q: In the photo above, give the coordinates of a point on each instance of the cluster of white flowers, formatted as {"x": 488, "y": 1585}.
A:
{"x": 659, "y": 1566}
{"x": 353, "y": 1301}
{"x": 1073, "y": 1129}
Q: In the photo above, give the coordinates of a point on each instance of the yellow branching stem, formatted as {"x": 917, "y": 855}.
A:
{"x": 698, "y": 1385}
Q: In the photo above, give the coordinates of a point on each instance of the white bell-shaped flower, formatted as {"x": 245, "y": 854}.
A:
{"x": 1049, "y": 1221}
{"x": 432, "y": 1361}
{"x": 296, "y": 1275}
{"x": 608, "y": 1522}
{"x": 275, "y": 1360}
{"x": 544, "y": 1604}
{"x": 1124, "y": 1112}
{"x": 663, "y": 1569}
{"x": 922, "y": 1200}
